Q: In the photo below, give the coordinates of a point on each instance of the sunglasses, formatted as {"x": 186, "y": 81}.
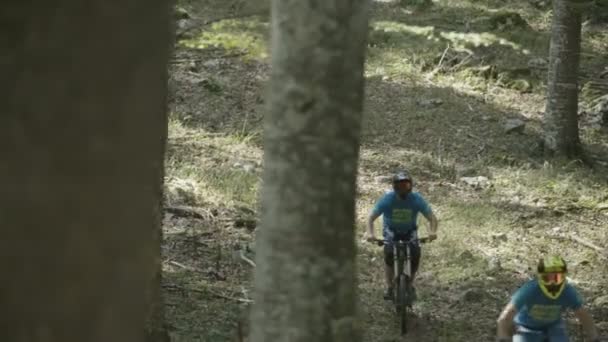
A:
{"x": 552, "y": 278}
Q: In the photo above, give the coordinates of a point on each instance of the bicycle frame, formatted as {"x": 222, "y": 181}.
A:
{"x": 402, "y": 253}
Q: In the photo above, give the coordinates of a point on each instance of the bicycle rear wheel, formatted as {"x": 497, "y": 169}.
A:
{"x": 403, "y": 301}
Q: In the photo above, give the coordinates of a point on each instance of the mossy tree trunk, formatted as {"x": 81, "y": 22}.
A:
{"x": 306, "y": 277}
{"x": 561, "y": 133}
{"x": 82, "y": 135}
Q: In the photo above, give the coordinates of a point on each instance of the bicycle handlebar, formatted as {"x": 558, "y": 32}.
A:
{"x": 382, "y": 242}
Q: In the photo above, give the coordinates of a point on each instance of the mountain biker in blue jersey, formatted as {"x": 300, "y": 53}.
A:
{"x": 399, "y": 209}
{"x": 536, "y": 307}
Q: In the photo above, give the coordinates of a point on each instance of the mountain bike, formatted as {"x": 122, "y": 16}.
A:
{"x": 403, "y": 296}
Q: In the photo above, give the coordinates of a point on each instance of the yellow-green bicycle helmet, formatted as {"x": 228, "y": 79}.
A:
{"x": 552, "y": 272}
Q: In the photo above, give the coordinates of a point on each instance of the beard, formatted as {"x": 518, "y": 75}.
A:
{"x": 403, "y": 194}
{"x": 553, "y": 289}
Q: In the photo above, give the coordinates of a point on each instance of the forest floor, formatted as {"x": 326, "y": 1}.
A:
{"x": 454, "y": 94}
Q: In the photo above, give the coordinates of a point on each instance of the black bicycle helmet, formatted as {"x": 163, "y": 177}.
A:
{"x": 402, "y": 176}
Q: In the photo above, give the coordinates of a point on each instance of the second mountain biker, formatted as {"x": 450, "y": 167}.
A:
{"x": 399, "y": 209}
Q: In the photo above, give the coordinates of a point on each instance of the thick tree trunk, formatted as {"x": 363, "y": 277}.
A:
{"x": 82, "y": 134}
{"x": 306, "y": 277}
{"x": 156, "y": 330}
{"x": 561, "y": 134}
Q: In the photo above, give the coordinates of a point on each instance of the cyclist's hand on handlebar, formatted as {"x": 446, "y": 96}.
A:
{"x": 371, "y": 238}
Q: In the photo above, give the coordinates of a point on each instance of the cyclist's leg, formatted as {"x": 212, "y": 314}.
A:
{"x": 389, "y": 259}
{"x": 414, "y": 258}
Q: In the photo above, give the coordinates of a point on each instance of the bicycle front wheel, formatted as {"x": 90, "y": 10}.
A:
{"x": 403, "y": 297}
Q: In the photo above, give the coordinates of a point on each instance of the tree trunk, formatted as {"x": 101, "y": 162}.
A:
{"x": 561, "y": 134}
{"x": 82, "y": 135}
{"x": 156, "y": 330}
{"x": 305, "y": 277}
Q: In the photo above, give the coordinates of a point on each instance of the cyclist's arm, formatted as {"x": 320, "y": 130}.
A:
{"x": 433, "y": 220}
{"x": 373, "y": 215}
{"x": 505, "y": 321}
{"x": 587, "y": 322}
{"x": 426, "y": 210}
{"x": 381, "y": 206}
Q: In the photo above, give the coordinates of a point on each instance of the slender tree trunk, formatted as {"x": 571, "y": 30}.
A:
{"x": 306, "y": 277}
{"x": 82, "y": 134}
{"x": 561, "y": 134}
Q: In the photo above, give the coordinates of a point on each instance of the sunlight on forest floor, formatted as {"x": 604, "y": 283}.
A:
{"x": 242, "y": 35}
{"x": 435, "y": 106}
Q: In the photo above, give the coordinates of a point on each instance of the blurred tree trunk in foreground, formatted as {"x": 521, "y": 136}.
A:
{"x": 82, "y": 135}
{"x": 305, "y": 276}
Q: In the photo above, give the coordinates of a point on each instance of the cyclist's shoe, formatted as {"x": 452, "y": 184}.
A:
{"x": 388, "y": 294}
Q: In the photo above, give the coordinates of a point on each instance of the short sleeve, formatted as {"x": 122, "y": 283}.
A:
{"x": 573, "y": 298}
{"x": 423, "y": 206}
{"x": 382, "y": 206}
{"x": 521, "y": 297}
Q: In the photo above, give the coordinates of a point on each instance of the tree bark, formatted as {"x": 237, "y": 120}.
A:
{"x": 561, "y": 133}
{"x": 156, "y": 330}
{"x": 305, "y": 276}
{"x": 82, "y": 137}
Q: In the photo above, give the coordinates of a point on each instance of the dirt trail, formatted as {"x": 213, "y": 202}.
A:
{"x": 440, "y": 128}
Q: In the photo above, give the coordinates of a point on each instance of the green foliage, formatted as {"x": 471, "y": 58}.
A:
{"x": 501, "y": 21}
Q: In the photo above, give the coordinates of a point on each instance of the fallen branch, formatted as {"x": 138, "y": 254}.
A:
{"x": 185, "y": 60}
{"x": 185, "y": 211}
{"x": 471, "y": 135}
{"x": 244, "y": 292}
{"x": 246, "y": 259}
{"x": 241, "y": 300}
{"x": 442, "y": 57}
{"x": 207, "y": 291}
{"x": 603, "y": 253}
{"x": 461, "y": 63}
{"x": 175, "y": 263}
{"x": 438, "y": 67}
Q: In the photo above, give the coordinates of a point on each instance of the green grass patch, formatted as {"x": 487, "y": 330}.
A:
{"x": 214, "y": 163}
{"x": 560, "y": 185}
{"x": 232, "y": 185}
{"x": 244, "y": 35}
